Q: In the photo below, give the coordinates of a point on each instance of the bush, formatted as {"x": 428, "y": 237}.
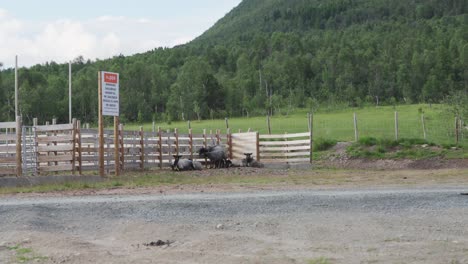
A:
{"x": 322, "y": 144}
{"x": 368, "y": 141}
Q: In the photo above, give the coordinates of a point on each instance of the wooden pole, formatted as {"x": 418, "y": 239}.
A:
{"x": 74, "y": 146}
{"x": 101, "y": 128}
{"x": 190, "y": 143}
{"x": 142, "y": 148}
{"x": 227, "y": 123}
{"x": 311, "y": 130}
{"x": 116, "y": 146}
{"x": 456, "y": 131}
{"x": 122, "y": 147}
{"x": 70, "y": 92}
{"x": 258, "y": 146}
{"x": 189, "y": 125}
{"x": 78, "y": 142}
{"x": 218, "y": 138}
{"x": 423, "y": 126}
{"x": 16, "y": 86}
{"x": 19, "y": 164}
{"x": 229, "y": 141}
{"x": 169, "y": 146}
{"x": 396, "y": 125}
{"x": 269, "y": 124}
{"x": 356, "y": 132}
{"x": 205, "y": 145}
{"x": 160, "y": 148}
{"x": 154, "y": 127}
{"x": 176, "y": 136}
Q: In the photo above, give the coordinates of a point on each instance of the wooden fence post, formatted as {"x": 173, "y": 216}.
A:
{"x": 205, "y": 145}
{"x": 74, "y": 145}
{"x": 311, "y": 130}
{"x": 457, "y": 138}
{"x": 19, "y": 163}
{"x": 116, "y": 146}
{"x": 229, "y": 141}
{"x": 356, "y": 132}
{"x": 122, "y": 147}
{"x": 396, "y": 126}
{"x": 218, "y": 138}
{"x": 191, "y": 143}
{"x": 169, "y": 145}
{"x": 423, "y": 126}
{"x": 269, "y": 124}
{"x": 176, "y": 136}
{"x": 160, "y": 148}
{"x": 142, "y": 146}
{"x": 258, "y": 147}
{"x": 227, "y": 123}
{"x": 78, "y": 147}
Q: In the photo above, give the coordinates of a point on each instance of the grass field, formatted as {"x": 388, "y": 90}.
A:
{"x": 378, "y": 122}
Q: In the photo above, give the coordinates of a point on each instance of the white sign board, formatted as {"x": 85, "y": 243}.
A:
{"x": 110, "y": 93}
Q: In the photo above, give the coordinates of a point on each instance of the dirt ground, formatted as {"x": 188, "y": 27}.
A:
{"x": 378, "y": 212}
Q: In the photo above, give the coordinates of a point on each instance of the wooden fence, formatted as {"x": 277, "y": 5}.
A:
{"x": 69, "y": 149}
{"x": 286, "y": 148}
{"x": 10, "y": 148}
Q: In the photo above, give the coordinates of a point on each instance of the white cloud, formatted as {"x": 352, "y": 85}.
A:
{"x": 102, "y": 37}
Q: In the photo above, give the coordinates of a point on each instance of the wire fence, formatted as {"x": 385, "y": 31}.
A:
{"x": 439, "y": 129}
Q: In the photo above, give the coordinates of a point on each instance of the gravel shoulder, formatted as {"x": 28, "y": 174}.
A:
{"x": 340, "y": 224}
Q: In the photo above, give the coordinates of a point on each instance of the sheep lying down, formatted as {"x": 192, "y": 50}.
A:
{"x": 185, "y": 164}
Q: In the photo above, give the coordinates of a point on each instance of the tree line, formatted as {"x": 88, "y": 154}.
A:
{"x": 270, "y": 57}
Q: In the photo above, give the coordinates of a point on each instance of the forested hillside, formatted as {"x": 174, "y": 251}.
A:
{"x": 271, "y": 55}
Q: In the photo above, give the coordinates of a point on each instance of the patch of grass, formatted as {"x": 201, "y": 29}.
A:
{"x": 368, "y": 141}
{"x": 377, "y": 122}
{"x": 24, "y": 255}
{"x": 412, "y": 148}
{"x": 321, "y": 260}
{"x": 321, "y": 144}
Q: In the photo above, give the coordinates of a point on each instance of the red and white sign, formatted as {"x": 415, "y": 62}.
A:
{"x": 110, "y": 93}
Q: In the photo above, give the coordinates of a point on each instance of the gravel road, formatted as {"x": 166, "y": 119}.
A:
{"x": 385, "y": 225}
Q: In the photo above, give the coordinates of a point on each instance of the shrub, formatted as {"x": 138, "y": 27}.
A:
{"x": 321, "y": 144}
{"x": 368, "y": 141}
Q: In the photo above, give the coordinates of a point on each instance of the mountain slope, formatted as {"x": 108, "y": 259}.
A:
{"x": 269, "y": 56}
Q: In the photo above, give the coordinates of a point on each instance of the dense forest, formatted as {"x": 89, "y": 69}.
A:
{"x": 271, "y": 56}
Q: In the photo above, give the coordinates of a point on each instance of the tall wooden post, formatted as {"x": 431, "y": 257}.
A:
{"x": 116, "y": 146}
{"x": 258, "y": 146}
{"x": 101, "y": 128}
{"x": 74, "y": 132}
{"x": 19, "y": 164}
{"x": 356, "y": 132}
{"x": 176, "y": 137}
{"x": 396, "y": 126}
{"x": 160, "y": 148}
{"x": 424, "y": 126}
{"x": 78, "y": 147}
{"x": 229, "y": 141}
{"x": 457, "y": 136}
{"x": 122, "y": 147}
{"x": 142, "y": 146}
{"x": 205, "y": 144}
{"x": 269, "y": 124}
{"x": 191, "y": 143}
{"x": 311, "y": 130}
{"x": 227, "y": 123}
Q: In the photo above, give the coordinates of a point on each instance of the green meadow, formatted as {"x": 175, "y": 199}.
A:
{"x": 378, "y": 122}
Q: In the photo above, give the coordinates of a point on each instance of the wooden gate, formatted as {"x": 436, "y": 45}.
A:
{"x": 10, "y": 148}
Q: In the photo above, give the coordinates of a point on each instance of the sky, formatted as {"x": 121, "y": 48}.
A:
{"x": 39, "y": 31}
